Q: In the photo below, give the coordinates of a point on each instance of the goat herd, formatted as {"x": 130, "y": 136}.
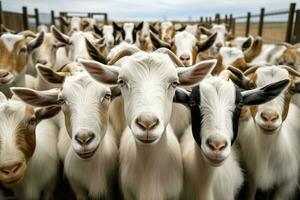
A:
{"x": 148, "y": 111}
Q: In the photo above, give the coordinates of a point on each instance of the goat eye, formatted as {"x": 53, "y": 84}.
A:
{"x": 61, "y": 100}
{"x": 121, "y": 82}
{"x": 107, "y": 96}
{"x": 32, "y": 121}
{"x": 23, "y": 50}
{"x": 174, "y": 84}
{"x": 54, "y": 46}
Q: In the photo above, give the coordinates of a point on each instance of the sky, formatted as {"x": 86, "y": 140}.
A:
{"x": 151, "y": 9}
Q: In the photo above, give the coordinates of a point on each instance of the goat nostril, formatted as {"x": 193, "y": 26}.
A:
{"x": 11, "y": 169}
{"x": 269, "y": 117}
{"x": 216, "y": 145}
{"x": 43, "y": 62}
{"x": 185, "y": 57}
{"x": 147, "y": 121}
{"x": 85, "y": 138}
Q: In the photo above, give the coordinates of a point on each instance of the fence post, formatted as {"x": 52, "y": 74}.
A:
{"x": 105, "y": 18}
{"x": 233, "y": 26}
{"x": 248, "y": 24}
{"x": 261, "y": 21}
{"x": 25, "y": 18}
{"x": 201, "y": 20}
{"x": 296, "y": 37}
{"x": 230, "y": 22}
{"x": 289, "y": 27}
{"x": 210, "y": 20}
{"x": 52, "y": 17}
{"x": 217, "y": 18}
{"x": 37, "y": 17}
{"x": 1, "y": 16}
{"x": 226, "y": 20}
{"x": 206, "y": 21}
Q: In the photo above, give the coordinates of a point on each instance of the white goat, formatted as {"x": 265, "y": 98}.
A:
{"x": 150, "y": 160}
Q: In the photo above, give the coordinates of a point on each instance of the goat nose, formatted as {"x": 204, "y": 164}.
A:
{"x": 3, "y": 73}
{"x": 219, "y": 45}
{"x": 147, "y": 121}
{"x": 216, "y": 145}
{"x": 84, "y": 137}
{"x": 43, "y": 62}
{"x": 269, "y": 116}
{"x": 11, "y": 169}
{"x": 185, "y": 57}
{"x": 128, "y": 40}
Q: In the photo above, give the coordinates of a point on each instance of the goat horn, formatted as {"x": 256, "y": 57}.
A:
{"x": 290, "y": 70}
{"x": 27, "y": 33}
{"x": 171, "y": 55}
{"x": 121, "y": 54}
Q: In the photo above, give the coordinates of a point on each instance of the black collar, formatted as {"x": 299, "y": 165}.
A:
{"x": 194, "y": 104}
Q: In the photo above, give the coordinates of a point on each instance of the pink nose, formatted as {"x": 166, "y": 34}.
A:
{"x": 269, "y": 117}
{"x": 219, "y": 45}
{"x": 216, "y": 145}
{"x": 43, "y": 62}
{"x": 147, "y": 121}
{"x": 84, "y": 137}
{"x": 11, "y": 169}
{"x": 128, "y": 40}
{"x": 184, "y": 57}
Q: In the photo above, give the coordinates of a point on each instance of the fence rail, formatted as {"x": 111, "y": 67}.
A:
{"x": 286, "y": 29}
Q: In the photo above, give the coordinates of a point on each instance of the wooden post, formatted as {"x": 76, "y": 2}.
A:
{"x": 232, "y": 28}
{"x": 289, "y": 27}
{"x": 52, "y": 17}
{"x": 105, "y": 18}
{"x": 296, "y": 38}
{"x": 1, "y": 16}
{"x": 210, "y": 20}
{"x": 25, "y": 18}
{"x": 37, "y": 17}
{"x": 206, "y": 21}
{"x": 217, "y": 18}
{"x": 261, "y": 21}
{"x": 230, "y": 21}
{"x": 201, "y": 20}
{"x": 248, "y": 24}
{"x": 226, "y": 19}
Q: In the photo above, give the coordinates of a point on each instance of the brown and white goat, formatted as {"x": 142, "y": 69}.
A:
{"x": 26, "y": 144}
{"x": 15, "y": 50}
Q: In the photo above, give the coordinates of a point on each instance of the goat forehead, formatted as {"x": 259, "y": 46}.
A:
{"x": 108, "y": 29}
{"x": 166, "y": 25}
{"x": 229, "y": 55}
{"x": 81, "y": 84}
{"x": 191, "y": 28}
{"x": 219, "y": 28}
{"x": 11, "y": 113}
{"x": 128, "y": 26}
{"x": 141, "y": 64}
{"x": 270, "y": 74}
{"x": 10, "y": 40}
{"x": 184, "y": 38}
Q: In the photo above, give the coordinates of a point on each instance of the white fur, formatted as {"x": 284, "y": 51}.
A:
{"x": 230, "y": 54}
{"x": 10, "y": 40}
{"x": 193, "y": 29}
{"x": 128, "y": 28}
{"x": 202, "y": 180}
{"x": 184, "y": 43}
{"x": 221, "y": 31}
{"x": 108, "y": 31}
{"x": 30, "y": 187}
{"x": 84, "y": 95}
{"x": 266, "y": 154}
{"x": 264, "y": 57}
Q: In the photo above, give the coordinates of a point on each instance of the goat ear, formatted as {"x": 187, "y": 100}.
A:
{"x": 207, "y": 43}
{"x": 205, "y": 31}
{"x": 49, "y": 75}
{"x": 98, "y": 31}
{"x": 181, "y": 96}
{"x": 60, "y": 36}
{"x": 153, "y": 29}
{"x": 264, "y": 94}
{"x": 247, "y": 44}
{"x": 101, "y": 72}
{"x": 297, "y": 87}
{"x": 36, "y": 42}
{"x": 46, "y": 112}
{"x": 139, "y": 26}
{"x": 94, "y": 52}
{"x": 117, "y": 27}
{"x": 192, "y": 75}
{"x": 64, "y": 20}
{"x": 239, "y": 78}
{"x": 157, "y": 42}
{"x": 37, "y": 98}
